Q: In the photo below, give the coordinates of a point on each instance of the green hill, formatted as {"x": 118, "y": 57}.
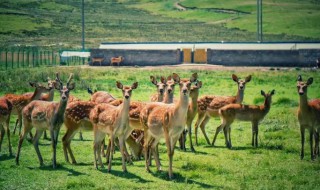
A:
{"x": 58, "y": 23}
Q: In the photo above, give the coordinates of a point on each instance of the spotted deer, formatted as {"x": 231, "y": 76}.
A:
{"x": 209, "y": 105}
{"x": 114, "y": 121}
{"x": 308, "y": 116}
{"x": 44, "y": 115}
{"x": 253, "y": 113}
{"x": 5, "y": 111}
{"x": 161, "y": 88}
{"x": 166, "y": 120}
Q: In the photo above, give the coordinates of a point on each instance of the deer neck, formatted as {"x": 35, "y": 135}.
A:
{"x": 59, "y": 114}
{"x": 303, "y": 104}
{"x": 194, "y": 102}
{"x": 239, "y": 96}
{"x": 51, "y": 95}
{"x": 168, "y": 98}
{"x": 160, "y": 97}
{"x": 267, "y": 105}
{"x": 181, "y": 108}
{"x": 124, "y": 109}
{"x": 36, "y": 95}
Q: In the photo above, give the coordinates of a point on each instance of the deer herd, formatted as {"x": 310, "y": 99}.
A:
{"x": 141, "y": 125}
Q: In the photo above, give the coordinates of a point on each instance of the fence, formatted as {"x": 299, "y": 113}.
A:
{"x": 33, "y": 57}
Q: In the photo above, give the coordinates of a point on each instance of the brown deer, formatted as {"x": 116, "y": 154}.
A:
{"x": 209, "y": 105}
{"x": 114, "y": 121}
{"x": 166, "y": 120}
{"x": 20, "y": 101}
{"x": 5, "y": 111}
{"x": 161, "y": 88}
{"x": 116, "y": 60}
{"x": 45, "y": 116}
{"x": 192, "y": 112}
{"x": 252, "y": 113}
{"x": 308, "y": 116}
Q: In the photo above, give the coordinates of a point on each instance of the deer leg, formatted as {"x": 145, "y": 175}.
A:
{"x": 229, "y": 136}
{"x": 111, "y": 151}
{"x": 15, "y": 127}
{"x": 8, "y": 135}
{"x": 302, "y": 131}
{"x": 311, "y": 131}
{"x": 54, "y": 141}
{"x": 316, "y": 150}
{"x": 123, "y": 154}
{"x": 169, "y": 151}
{"x": 95, "y": 146}
{"x": 216, "y": 134}
{"x": 190, "y": 137}
{"x": 66, "y": 142}
{"x": 98, "y": 152}
{"x": 45, "y": 136}
{"x": 108, "y": 151}
{"x": 156, "y": 153}
{"x": 27, "y": 128}
{"x": 203, "y": 129}
{"x": 146, "y": 149}
{"x": 196, "y": 126}
{"x": 36, "y": 145}
{"x": 226, "y": 136}
{"x": 1, "y": 135}
{"x": 80, "y": 136}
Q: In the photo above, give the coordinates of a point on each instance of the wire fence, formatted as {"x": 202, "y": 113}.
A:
{"x": 34, "y": 57}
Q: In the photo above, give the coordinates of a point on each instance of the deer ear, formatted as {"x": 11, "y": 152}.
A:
{"x": 272, "y": 92}
{"x": 299, "y": 78}
{"x": 194, "y": 77}
{"x": 310, "y": 81}
{"x": 119, "y": 85}
{"x": 176, "y": 78}
{"x": 263, "y": 93}
{"x": 153, "y": 80}
{"x": 169, "y": 78}
{"x": 235, "y": 78}
{"x": 163, "y": 80}
{"x": 71, "y": 86}
{"x": 199, "y": 84}
{"x": 134, "y": 85}
{"x": 33, "y": 84}
{"x": 248, "y": 78}
{"x": 57, "y": 85}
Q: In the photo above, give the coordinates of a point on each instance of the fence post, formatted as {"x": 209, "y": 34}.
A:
{"x": 28, "y": 61}
{"x": 22, "y": 57}
{"x": 6, "y": 59}
{"x": 32, "y": 57}
{"x": 12, "y": 56}
{"x": 18, "y": 57}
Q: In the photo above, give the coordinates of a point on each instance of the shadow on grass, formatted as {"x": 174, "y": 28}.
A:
{"x": 181, "y": 179}
{"x": 71, "y": 172}
{"x": 127, "y": 175}
{"x": 4, "y": 157}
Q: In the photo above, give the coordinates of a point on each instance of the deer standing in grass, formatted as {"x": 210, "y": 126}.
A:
{"x": 252, "y": 113}
{"x": 209, "y": 105}
{"x": 114, "y": 121}
{"x": 308, "y": 116}
{"x": 5, "y": 111}
{"x": 20, "y": 101}
{"x": 161, "y": 88}
{"x": 45, "y": 116}
{"x": 166, "y": 120}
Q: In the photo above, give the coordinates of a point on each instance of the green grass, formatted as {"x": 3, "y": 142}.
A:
{"x": 275, "y": 164}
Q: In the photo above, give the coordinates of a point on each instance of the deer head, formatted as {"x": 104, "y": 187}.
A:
{"x": 39, "y": 87}
{"x": 241, "y": 83}
{"x": 171, "y": 82}
{"x": 195, "y": 88}
{"x": 127, "y": 90}
{"x": 303, "y": 86}
{"x": 64, "y": 90}
{"x": 268, "y": 95}
{"x": 161, "y": 86}
{"x": 184, "y": 84}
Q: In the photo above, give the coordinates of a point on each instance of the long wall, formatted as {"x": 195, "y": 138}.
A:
{"x": 290, "y": 58}
{"x": 138, "y": 57}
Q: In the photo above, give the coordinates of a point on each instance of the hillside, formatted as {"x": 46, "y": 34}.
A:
{"x": 58, "y": 24}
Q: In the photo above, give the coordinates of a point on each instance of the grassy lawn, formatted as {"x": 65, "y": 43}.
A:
{"x": 275, "y": 164}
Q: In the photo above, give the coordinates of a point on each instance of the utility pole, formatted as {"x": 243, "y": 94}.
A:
{"x": 259, "y": 21}
{"x": 83, "y": 41}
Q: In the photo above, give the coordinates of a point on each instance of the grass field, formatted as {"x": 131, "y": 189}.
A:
{"x": 57, "y": 24}
{"x": 275, "y": 164}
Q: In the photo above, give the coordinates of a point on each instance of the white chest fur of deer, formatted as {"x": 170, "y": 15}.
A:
{"x": 5, "y": 111}
{"x": 209, "y": 105}
{"x": 241, "y": 112}
{"x": 114, "y": 121}
{"x": 45, "y": 116}
{"x": 308, "y": 116}
{"x": 166, "y": 120}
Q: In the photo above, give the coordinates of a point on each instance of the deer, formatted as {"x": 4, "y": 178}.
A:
{"x": 161, "y": 88}
{"x": 44, "y": 115}
{"x": 114, "y": 121}
{"x": 191, "y": 114}
{"x": 5, "y": 111}
{"x": 253, "y": 113}
{"x": 166, "y": 120}
{"x": 20, "y": 101}
{"x": 116, "y": 60}
{"x": 209, "y": 105}
{"x": 308, "y": 116}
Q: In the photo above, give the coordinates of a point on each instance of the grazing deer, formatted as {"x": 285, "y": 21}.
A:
{"x": 114, "y": 121}
{"x": 97, "y": 59}
{"x": 161, "y": 88}
{"x": 45, "y": 116}
{"x": 209, "y": 105}
{"x": 308, "y": 116}
{"x": 241, "y": 112}
{"x": 20, "y": 101}
{"x": 192, "y": 112}
{"x": 5, "y": 111}
{"x": 166, "y": 120}
{"x": 116, "y": 60}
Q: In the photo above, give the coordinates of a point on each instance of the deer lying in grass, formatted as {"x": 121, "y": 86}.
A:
{"x": 241, "y": 112}
{"x": 166, "y": 120}
{"x": 20, "y": 101}
{"x": 114, "y": 121}
{"x": 45, "y": 116}
{"x": 5, "y": 111}
{"x": 209, "y": 105}
{"x": 116, "y": 60}
{"x": 308, "y": 116}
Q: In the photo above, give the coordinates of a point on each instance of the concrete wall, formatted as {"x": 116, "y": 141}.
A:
{"x": 139, "y": 57}
{"x": 291, "y": 58}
